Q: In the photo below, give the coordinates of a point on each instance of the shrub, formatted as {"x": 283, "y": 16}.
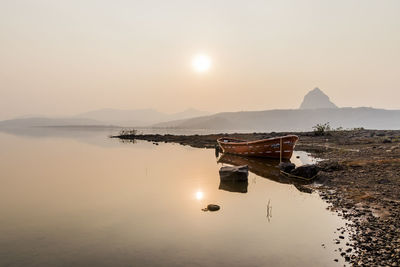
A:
{"x": 128, "y": 132}
{"x": 358, "y": 129}
{"x": 321, "y": 129}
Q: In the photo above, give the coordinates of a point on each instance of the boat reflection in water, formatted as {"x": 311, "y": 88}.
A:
{"x": 263, "y": 167}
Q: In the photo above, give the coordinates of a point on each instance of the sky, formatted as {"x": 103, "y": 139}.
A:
{"x": 67, "y": 57}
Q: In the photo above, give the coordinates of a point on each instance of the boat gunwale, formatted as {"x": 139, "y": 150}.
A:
{"x": 245, "y": 142}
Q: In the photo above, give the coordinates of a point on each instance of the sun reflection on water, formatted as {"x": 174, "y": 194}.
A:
{"x": 199, "y": 195}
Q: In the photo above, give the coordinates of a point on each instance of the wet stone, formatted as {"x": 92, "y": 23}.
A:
{"x": 213, "y": 207}
{"x": 286, "y": 166}
{"x": 305, "y": 171}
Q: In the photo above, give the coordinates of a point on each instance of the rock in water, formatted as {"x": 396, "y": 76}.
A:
{"x": 286, "y": 166}
{"x": 213, "y": 207}
{"x": 235, "y": 173}
{"x": 305, "y": 171}
{"x": 316, "y": 99}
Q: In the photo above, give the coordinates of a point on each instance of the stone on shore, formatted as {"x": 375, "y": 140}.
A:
{"x": 330, "y": 166}
{"x": 286, "y": 166}
{"x": 305, "y": 171}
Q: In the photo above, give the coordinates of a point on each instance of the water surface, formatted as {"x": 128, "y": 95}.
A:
{"x": 91, "y": 200}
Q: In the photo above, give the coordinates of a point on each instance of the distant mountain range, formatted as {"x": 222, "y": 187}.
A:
{"x": 104, "y": 117}
{"x": 138, "y": 117}
{"x": 315, "y": 108}
{"x": 292, "y": 119}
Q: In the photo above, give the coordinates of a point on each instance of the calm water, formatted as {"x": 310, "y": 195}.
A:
{"x": 82, "y": 199}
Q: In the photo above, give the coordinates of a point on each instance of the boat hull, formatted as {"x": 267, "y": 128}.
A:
{"x": 268, "y": 148}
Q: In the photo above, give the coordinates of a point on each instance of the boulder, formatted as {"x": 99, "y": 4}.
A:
{"x": 235, "y": 173}
{"x": 305, "y": 171}
{"x": 286, "y": 166}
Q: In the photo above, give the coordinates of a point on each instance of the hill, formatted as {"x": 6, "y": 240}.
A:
{"x": 103, "y": 117}
{"x": 137, "y": 117}
{"x": 292, "y": 120}
{"x": 316, "y": 99}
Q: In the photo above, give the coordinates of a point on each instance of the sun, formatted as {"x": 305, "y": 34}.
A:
{"x": 201, "y": 62}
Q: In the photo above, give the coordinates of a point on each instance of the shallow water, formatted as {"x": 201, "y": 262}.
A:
{"x": 91, "y": 200}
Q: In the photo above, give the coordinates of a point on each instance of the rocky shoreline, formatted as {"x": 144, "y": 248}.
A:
{"x": 361, "y": 180}
{"x": 359, "y": 177}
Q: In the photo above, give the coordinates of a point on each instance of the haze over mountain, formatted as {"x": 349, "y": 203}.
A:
{"x": 292, "y": 120}
{"x": 316, "y": 99}
{"x": 105, "y": 117}
{"x": 315, "y": 108}
{"x": 138, "y": 117}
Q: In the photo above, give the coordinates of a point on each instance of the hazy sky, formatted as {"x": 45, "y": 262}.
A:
{"x": 66, "y": 57}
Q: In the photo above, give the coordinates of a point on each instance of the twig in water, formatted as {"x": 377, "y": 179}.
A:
{"x": 269, "y": 211}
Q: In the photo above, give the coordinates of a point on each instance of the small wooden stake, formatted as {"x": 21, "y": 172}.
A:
{"x": 281, "y": 147}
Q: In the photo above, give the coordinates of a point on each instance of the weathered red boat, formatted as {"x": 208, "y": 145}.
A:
{"x": 277, "y": 147}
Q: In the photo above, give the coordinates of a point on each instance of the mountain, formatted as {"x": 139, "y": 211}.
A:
{"x": 138, "y": 117}
{"x": 188, "y": 113}
{"x": 292, "y": 120}
{"x": 316, "y": 99}
{"x": 103, "y": 117}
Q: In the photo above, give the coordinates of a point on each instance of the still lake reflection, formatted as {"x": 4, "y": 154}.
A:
{"x": 79, "y": 202}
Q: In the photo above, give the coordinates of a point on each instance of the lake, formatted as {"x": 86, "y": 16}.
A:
{"x": 79, "y": 198}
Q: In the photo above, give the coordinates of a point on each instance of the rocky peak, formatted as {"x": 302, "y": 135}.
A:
{"x": 316, "y": 99}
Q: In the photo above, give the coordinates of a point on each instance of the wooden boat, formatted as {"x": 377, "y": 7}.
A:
{"x": 277, "y": 147}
